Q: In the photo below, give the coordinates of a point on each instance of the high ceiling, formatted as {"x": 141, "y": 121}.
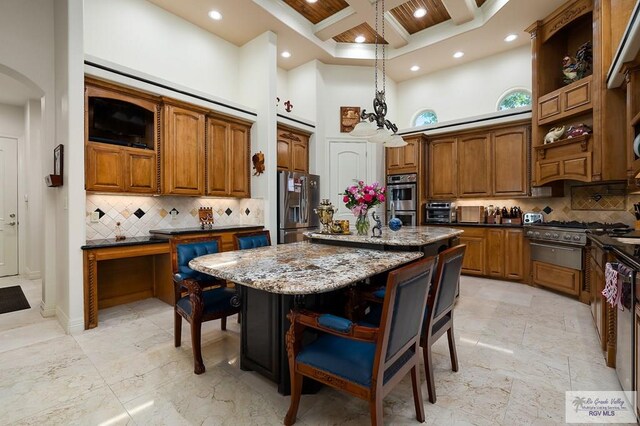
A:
{"x": 326, "y": 30}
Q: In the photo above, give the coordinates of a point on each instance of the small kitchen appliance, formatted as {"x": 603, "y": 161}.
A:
{"x": 440, "y": 212}
{"x": 530, "y": 218}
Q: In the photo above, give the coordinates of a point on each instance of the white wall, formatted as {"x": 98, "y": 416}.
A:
{"x": 11, "y": 120}
{"x": 466, "y": 90}
{"x": 32, "y": 199}
{"x": 282, "y": 88}
{"x": 302, "y": 91}
{"x": 145, "y": 37}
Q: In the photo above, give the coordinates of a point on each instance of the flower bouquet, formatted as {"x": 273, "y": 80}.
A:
{"x": 359, "y": 199}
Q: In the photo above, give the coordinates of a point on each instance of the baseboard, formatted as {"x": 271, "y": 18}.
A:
{"x": 47, "y": 311}
{"x": 31, "y": 275}
{"x": 70, "y": 326}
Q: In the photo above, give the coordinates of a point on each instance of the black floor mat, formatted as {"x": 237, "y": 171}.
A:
{"x": 12, "y": 299}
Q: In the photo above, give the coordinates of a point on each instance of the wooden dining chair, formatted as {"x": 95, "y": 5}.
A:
{"x": 198, "y": 297}
{"x": 366, "y": 362}
{"x": 439, "y": 316}
{"x": 249, "y": 240}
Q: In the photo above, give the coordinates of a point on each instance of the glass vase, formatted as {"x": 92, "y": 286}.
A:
{"x": 362, "y": 224}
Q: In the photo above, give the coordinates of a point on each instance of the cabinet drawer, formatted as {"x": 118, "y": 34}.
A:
{"x": 577, "y": 167}
{"x": 557, "y": 278}
{"x": 577, "y": 96}
{"x": 549, "y": 107}
{"x": 566, "y": 102}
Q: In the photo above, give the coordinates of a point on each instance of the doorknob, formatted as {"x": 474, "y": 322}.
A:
{"x": 12, "y": 215}
{"x": 11, "y": 224}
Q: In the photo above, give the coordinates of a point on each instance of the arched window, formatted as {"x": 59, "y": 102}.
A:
{"x": 514, "y": 99}
{"x": 425, "y": 117}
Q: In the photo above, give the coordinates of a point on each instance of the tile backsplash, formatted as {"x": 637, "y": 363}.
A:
{"x": 139, "y": 214}
{"x": 609, "y": 207}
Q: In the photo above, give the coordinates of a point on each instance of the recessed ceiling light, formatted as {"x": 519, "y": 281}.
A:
{"x": 215, "y": 15}
{"x": 458, "y": 55}
{"x": 311, "y": 1}
{"x": 420, "y": 12}
{"x": 360, "y": 39}
{"x": 286, "y": 54}
{"x": 414, "y": 68}
{"x": 510, "y": 37}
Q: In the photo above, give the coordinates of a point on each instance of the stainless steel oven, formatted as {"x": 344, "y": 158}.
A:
{"x": 557, "y": 254}
{"x": 402, "y": 192}
{"x": 408, "y": 218}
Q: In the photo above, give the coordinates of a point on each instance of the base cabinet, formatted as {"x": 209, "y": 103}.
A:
{"x": 476, "y": 254}
{"x": 636, "y": 332}
{"x": 557, "y": 277}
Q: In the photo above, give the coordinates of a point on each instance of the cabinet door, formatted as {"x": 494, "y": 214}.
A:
{"x": 495, "y": 253}
{"x": 474, "y": 165}
{"x": 217, "y": 154}
{"x": 184, "y": 151}
{"x": 239, "y": 161}
{"x": 514, "y": 254}
{"x": 141, "y": 171}
{"x": 443, "y": 172}
{"x": 475, "y": 256}
{"x": 636, "y": 332}
{"x": 557, "y": 278}
{"x": 393, "y": 156}
{"x": 105, "y": 168}
{"x": 284, "y": 153}
{"x": 510, "y": 162}
{"x": 300, "y": 156}
{"x": 411, "y": 154}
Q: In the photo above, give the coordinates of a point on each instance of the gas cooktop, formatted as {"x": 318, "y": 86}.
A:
{"x": 569, "y": 232}
{"x": 582, "y": 225}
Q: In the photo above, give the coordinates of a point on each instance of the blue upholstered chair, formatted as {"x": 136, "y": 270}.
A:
{"x": 439, "y": 317}
{"x": 366, "y": 362}
{"x": 249, "y": 240}
{"x": 198, "y": 297}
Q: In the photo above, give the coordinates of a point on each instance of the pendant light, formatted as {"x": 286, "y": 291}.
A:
{"x": 384, "y": 131}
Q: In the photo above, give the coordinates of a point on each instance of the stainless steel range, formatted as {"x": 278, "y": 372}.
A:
{"x": 557, "y": 255}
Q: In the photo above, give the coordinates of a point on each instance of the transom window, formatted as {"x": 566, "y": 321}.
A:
{"x": 515, "y": 99}
{"x": 425, "y": 118}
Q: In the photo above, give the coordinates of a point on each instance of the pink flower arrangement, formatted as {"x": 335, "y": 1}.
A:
{"x": 360, "y": 198}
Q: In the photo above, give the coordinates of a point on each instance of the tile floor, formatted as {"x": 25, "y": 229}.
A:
{"x": 519, "y": 348}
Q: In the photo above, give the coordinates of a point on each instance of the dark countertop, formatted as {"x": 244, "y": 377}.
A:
{"x": 129, "y": 241}
{"x": 478, "y": 225}
{"x": 198, "y": 230}
{"x": 629, "y": 253}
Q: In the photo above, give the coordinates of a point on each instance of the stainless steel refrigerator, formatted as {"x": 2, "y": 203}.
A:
{"x": 298, "y": 195}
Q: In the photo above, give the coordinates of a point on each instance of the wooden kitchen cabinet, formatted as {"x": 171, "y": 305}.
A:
{"x": 495, "y": 252}
{"x": 505, "y": 253}
{"x": 227, "y": 153}
{"x": 636, "y": 332}
{"x": 443, "y": 169}
{"x": 510, "y": 159}
{"x": 293, "y": 150}
{"x": 556, "y": 277}
{"x": 406, "y": 159}
{"x": 183, "y": 150}
{"x": 474, "y": 165}
{"x": 476, "y": 253}
{"x": 116, "y": 162}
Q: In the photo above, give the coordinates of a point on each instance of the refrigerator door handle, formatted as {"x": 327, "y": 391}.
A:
{"x": 304, "y": 195}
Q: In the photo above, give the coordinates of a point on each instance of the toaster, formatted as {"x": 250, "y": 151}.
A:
{"x": 530, "y": 218}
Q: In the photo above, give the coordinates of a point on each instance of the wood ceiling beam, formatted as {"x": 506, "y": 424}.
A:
{"x": 461, "y": 11}
{"x": 362, "y": 11}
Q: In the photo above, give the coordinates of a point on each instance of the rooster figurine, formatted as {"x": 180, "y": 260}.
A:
{"x": 578, "y": 67}
{"x": 569, "y": 69}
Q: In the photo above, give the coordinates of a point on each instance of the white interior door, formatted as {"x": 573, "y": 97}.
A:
{"x": 348, "y": 164}
{"x": 8, "y": 207}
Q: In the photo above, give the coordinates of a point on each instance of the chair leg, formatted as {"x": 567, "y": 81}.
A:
{"x": 452, "y": 349}
{"x": 375, "y": 409}
{"x": 239, "y": 317}
{"x": 177, "y": 329}
{"x": 296, "y": 391}
{"x": 417, "y": 393}
{"x": 223, "y": 323}
{"x": 428, "y": 370}
{"x": 196, "y": 329}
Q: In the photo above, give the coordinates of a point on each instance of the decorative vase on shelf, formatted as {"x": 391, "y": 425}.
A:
{"x": 394, "y": 224}
{"x": 362, "y": 224}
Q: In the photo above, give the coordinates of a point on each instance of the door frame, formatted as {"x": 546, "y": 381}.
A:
{"x": 21, "y": 210}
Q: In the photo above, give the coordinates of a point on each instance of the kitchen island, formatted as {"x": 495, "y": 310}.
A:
{"x": 307, "y": 274}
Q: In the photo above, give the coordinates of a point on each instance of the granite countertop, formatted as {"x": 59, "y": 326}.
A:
{"x": 198, "y": 230}
{"x": 407, "y": 236}
{"x": 300, "y": 268}
{"x": 480, "y": 225}
{"x": 129, "y": 241}
{"x": 628, "y": 252}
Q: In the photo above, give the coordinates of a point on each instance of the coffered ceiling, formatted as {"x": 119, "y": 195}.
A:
{"x": 326, "y": 29}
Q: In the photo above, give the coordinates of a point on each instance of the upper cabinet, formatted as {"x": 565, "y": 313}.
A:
{"x": 227, "y": 150}
{"x": 564, "y": 95}
{"x": 493, "y": 162}
{"x": 183, "y": 146}
{"x": 121, "y": 139}
{"x": 293, "y": 150}
{"x": 405, "y": 159}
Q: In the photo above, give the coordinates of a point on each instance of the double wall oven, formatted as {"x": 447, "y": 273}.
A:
{"x": 402, "y": 196}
